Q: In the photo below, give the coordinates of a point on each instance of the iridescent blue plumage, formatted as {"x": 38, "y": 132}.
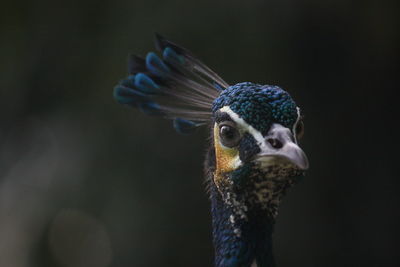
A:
{"x": 259, "y": 105}
{"x": 145, "y": 84}
{"x": 172, "y": 57}
{"x": 156, "y": 66}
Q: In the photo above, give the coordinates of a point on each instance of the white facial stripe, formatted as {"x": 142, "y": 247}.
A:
{"x": 295, "y": 125}
{"x": 245, "y": 126}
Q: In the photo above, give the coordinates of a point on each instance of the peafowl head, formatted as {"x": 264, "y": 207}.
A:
{"x": 254, "y": 154}
{"x": 256, "y": 129}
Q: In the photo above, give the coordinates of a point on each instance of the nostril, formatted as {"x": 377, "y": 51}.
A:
{"x": 275, "y": 143}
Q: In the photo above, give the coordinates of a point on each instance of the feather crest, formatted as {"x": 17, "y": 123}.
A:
{"x": 178, "y": 86}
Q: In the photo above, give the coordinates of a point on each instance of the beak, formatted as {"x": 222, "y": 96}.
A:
{"x": 280, "y": 145}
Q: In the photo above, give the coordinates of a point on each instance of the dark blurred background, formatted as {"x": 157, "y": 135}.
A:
{"x": 87, "y": 182}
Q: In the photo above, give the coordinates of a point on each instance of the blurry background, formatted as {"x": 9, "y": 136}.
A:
{"x": 87, "y": 182}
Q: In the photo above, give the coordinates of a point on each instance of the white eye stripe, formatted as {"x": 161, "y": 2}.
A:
{"x": 244, "y": 125}
{"x": 295, "y": 124}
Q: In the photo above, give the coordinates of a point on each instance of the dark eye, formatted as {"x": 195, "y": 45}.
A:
{"x": 299, "y": 130}
{"x": 229, "y": 135}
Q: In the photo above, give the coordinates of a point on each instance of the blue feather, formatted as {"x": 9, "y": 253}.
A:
{"x": 155, "y": 65}
{"x": 129, "y": 81}
{"x": 151, "y": 108}
{"x": 183, "y": 126}
{"x": 145, "y": 84}
{"x": 218, "y": 86}
{"x": 172, "y": 57}
{"x": 125, "y": 95}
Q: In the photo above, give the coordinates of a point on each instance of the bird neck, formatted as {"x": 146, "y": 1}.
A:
{"x": 240, "y": 242}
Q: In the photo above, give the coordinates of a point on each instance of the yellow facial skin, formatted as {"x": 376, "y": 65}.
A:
{"x": 227, "y": 159}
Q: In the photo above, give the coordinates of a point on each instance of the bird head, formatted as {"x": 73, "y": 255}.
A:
{"x": 255, "y": 128}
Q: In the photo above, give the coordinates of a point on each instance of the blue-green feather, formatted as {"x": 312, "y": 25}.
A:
{"x": 156, "y": 66}
{"x": 183, "y": 126}
{"x": 128, "y": 96}
{"x": 145, "y": 84}
{"x": 172, "y": 57}
{"x": 151, "y": 108}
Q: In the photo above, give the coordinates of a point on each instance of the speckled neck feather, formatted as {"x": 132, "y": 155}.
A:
{"x": 253, "y": 244}
{"x": 243, "y": 235}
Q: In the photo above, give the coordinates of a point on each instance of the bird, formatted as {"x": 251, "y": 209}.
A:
{"x": 253, "y": 155}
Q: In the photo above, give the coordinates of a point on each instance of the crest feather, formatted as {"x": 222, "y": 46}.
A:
{"x": 178, "y": 86}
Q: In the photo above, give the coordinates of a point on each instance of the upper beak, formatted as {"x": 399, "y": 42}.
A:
{"x": 280, "y": 144}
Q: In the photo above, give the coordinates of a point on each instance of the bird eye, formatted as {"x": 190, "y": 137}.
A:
{"x": 299, "y": 130}
{"x": 229, "y": 135}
